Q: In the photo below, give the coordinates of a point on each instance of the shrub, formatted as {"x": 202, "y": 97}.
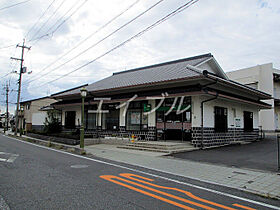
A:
{"x": 52, "y": 123}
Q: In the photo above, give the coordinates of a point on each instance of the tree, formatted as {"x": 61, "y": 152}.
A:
{"x": 52, "y": 123}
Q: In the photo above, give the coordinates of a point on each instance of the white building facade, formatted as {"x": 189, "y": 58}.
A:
{"x": 33, "y": 115}
{"x": 267, "y": 79}
{"x": 189, "y": 99}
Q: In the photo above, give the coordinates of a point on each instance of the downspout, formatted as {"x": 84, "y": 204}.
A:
{"x": 202, "y": 126}
{"x": 205, "y": 72}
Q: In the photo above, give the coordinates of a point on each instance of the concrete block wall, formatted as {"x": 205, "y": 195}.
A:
{"x": 212, "y": 138}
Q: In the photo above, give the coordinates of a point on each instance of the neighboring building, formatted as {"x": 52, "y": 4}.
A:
{"x": 267, "y": 79}
{"x": 34, "y": 113}
{"x": 3, "y": 122}
{"x": 214, "y": 109}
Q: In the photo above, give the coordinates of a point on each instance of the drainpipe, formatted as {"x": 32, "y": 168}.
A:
{"x": 205, "y": 73}
{"x": 202, "y": 128}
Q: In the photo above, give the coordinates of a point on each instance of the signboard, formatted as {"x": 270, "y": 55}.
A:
{"x": 135, "y": 118}
{"x": 237, "y": 122}
{"x": 147, "y": 107}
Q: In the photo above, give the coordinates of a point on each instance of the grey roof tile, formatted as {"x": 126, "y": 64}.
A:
{"x": 146, "y": 75}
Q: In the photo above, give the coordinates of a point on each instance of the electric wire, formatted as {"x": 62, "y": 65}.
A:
{"x": 13, "y": 5}
{"x": 46, "y": 10}
{"x": 38, "y": 31}
{"x": 65, "y": 20}
{"x": 50, "y": 33}
{"x": 173, "y": 13}
{"x": 88, "y": 37}
{"x": 8, "y": 46}
{"x": 101, "y": 40}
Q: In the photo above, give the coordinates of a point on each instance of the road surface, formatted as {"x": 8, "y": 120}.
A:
{"x": 36, "y": 177}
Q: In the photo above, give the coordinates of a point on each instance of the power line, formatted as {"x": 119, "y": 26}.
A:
{"x": 8, "y": 46}
{"x": 173, "y": 13}
{"x": 39, "y": 18}
{"x": 5, "y": 75}
{"x": 48, "y": 33}
{"x": 95, "y": 32}
{"x": 38, "y": 31}
{"x": 101, "y": 40}
{"x": 13, "y": 5}
{"x": 64, "y": 21}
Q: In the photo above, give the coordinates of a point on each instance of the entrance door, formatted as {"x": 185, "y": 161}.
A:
{"x": 70, "y": 118}
{"x": 175, "y": 124}
{"x": 248, "y": 121}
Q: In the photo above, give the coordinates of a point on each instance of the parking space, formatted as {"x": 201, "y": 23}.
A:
{"x": 261, "y": 155}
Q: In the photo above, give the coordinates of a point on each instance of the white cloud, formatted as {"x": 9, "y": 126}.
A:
{"x": 238, "y": 33}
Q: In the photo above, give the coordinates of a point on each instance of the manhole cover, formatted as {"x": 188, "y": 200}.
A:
{"x": 79, "y": 166}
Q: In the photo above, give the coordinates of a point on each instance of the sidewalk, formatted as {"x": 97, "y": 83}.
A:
{"x": 262, "y": 183}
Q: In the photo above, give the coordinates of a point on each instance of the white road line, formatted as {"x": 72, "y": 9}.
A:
{"x": 158, "y": 176}
{"x": 10, "y": 159}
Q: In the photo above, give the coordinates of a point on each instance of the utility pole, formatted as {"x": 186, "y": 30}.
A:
{"x": 7, "y": 108}
{"x": 19, "y": 82}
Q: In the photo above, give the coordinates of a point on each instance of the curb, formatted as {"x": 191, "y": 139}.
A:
{"x": 54, "y": 145}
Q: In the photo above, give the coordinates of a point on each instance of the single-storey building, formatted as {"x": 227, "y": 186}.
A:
{"x": 189, "y": 99}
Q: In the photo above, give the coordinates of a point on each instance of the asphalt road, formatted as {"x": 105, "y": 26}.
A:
{"x": 260, "y": 155}
{"x": 34, "y": 177}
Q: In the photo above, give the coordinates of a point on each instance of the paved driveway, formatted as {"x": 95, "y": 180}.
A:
{"x": 260, "y": 155}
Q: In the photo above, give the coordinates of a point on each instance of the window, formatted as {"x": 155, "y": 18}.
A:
{"x": 173, "y": 116}
{"x": 27, "y": 106}
{"x": 248, "y": 121}
{"x": 220, "y": 119}
{"x": 135, "y": 117}
{"x": 91, "y": 121}
{"x": 70, "y": 117}
{"x": 110, "y": 121}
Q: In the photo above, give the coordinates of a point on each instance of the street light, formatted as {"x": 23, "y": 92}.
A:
{"x": 82, "y": 130}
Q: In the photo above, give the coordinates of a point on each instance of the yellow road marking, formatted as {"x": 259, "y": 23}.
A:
{"x": 163, "y": 193}
{"x": 111, "y": 177}
{"x": 131, "y": 176}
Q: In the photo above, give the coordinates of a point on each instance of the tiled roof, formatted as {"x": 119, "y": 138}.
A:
{"x": 172, "y": 70}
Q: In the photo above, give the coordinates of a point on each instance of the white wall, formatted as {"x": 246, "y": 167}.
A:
{"x": 77, "y": 109}
{"x": 263, "y": 74}
{"x": 39, "y": 118}
{"x": 196, "y": 112}
{"x": 152, "y": 116}
{"x": 35, "y": 108}
{"x": 208, "y": 113}
{"x": 276, "y": 90}
{"x": 122, "y": 116}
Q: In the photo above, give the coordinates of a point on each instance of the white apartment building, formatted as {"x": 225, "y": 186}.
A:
{"x": 267, "y": 79}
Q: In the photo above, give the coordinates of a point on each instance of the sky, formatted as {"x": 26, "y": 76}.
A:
{"x": 66, "y": 35}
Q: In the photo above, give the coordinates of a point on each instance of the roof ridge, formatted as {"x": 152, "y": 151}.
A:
{"x": 63, "y": 91}
{"x": 165, "y": 63}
